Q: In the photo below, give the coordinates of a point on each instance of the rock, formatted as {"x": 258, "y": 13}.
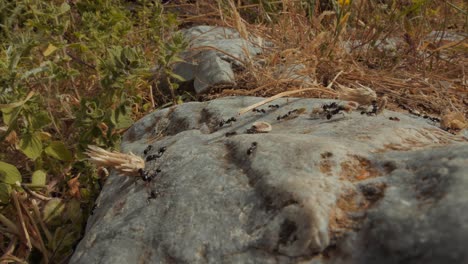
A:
{"x": 352, "y": 189}
{"x": 211, "y": 54}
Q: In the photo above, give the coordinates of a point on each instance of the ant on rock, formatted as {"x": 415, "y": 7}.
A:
{"x": 147, "y": 177}
{"x": 229, "y": 134}
{"x": 374, "y": 110}
{"x": 229, "y": 121}
{"x": 147, "y": 149}
{"x": 332, "y": 109}
{"x": 155, "y": 156}
{"x": 263, "y": 111}
{"x": 291, "y": 114}
{"x": 252, "y": 148}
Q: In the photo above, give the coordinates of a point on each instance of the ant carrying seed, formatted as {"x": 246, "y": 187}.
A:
{"x": 228, "y": 134}
{"x": 252, "y": 148}
{"x": 147, "y": 149}
{"x": 229, "y": 121}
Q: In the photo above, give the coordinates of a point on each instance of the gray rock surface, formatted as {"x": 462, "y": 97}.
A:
{"x": 352, "y": 189}
{"x": 211, "y": 55}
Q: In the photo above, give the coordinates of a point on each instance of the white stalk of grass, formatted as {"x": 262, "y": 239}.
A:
{"x": 127, "y": 164}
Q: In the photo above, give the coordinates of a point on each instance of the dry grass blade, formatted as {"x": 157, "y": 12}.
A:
{"x": 37, "y": 213}
{"x": 33, "y": 229}
{"x": 27, "y": 241}
{"x": 11, "y": 227}
{"x": 362, "y": 95}
{"x": 283, "y": 94}
{"x": 126, "y": 164}
{"x": 34, "y": 194}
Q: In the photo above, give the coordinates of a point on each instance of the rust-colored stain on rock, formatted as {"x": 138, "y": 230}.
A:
{"x": 357, "y": 168}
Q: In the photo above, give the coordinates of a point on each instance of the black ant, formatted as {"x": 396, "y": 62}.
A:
{"x": 251, "y": 130}
{"x": 281, "y": 117}
{"x": 151, "y": 157}
{"x": 156, "y": 156}
{"x": 373, "y": 112}
{"x": 394, "y": 118}
{"x": 252, "y": 148}
{"x": 152, "y": 195}
{"x": 94, "y": 208}
{"x": 229, "y": 134}
{"x": 147, "y": 149}
{"x": 263, "y": 111}
{"x": 230, "y": 120}
{"x": 145, "y": 175}
{"x": 273, "y": 106}
{"x": 292, "y": 114}
{"x": 329, "y": 110}
{"x": 325, "y": 107}
{"x": 416, "y": 113}
{"x": 433, "y": 119}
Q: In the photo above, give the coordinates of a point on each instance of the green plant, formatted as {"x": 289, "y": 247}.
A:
{"x": 71, "y": 74}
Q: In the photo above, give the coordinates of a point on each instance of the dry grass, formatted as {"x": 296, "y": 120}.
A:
{"x": 425, "y": 74}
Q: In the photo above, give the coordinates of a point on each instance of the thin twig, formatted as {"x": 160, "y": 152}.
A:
{"x": 35, "y": 194}
{"x": 41, "y": 222}
{"x": 9, "y": 224}
{"x": 334, "y": 79}
{"x": 11, "y": 247}
{"x": 36, "y": 233}
{"x": 247, "y": 109}
{"x": 21, "y": 219}
{"x": 152, "y": 97}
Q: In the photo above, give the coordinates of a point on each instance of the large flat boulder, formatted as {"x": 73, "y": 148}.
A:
{"x": 350, "y": 189}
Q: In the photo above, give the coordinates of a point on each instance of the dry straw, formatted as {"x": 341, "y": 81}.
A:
{"x": 126, "y": 164}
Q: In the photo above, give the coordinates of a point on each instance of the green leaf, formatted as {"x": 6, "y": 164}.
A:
{"x": 10, "y": 115}
{"x": 31, "y": 146}
{"x": 39, "y": 177}
{"x": 121, "y": 119}
{"x": 49, "y": 50}
{"x": 58, "y": 150}
{"x": 73, "y": 211}
{"x": 64, "y": 8}
{"x": 5, "y": 191}
{"x": 52, "y": 212}
{"x": 176, "y": 76}
{"x": 40, "y": 120}
{"x": 9, "y": 174}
